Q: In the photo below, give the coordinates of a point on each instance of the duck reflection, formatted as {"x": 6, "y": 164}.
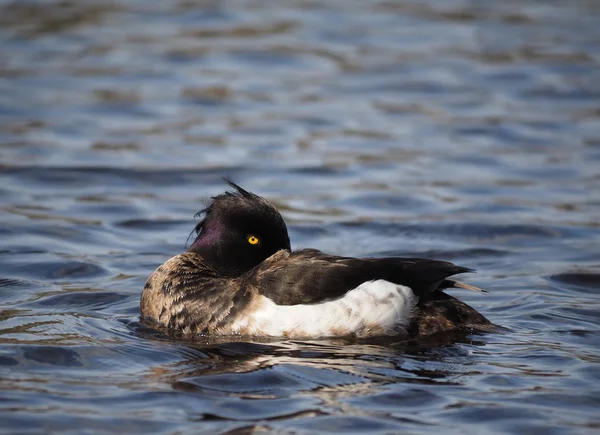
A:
{"x": 333, "y": 368}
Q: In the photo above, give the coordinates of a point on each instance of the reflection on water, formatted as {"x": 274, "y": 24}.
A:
{"x": 465, "y": 131}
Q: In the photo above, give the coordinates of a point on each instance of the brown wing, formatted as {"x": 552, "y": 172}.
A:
{"x": 185, "y": 294}
{"x": 309, "y": 276}
{"x": 443, "y": 313}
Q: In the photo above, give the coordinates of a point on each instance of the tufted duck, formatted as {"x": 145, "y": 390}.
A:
{"x": 240, "y": 277}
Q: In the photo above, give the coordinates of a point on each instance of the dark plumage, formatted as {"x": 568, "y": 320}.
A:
{"x": 241, "y": 264}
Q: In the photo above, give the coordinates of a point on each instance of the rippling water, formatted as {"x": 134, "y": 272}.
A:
{"x": 461, "y": 130}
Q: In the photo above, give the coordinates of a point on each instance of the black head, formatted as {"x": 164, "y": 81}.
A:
{"x": 239, "y": 231}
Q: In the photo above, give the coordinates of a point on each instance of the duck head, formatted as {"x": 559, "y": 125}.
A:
{"x": 239, "y": 231}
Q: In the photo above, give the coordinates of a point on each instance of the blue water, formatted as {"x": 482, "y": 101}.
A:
{"x": 460, "y": 130}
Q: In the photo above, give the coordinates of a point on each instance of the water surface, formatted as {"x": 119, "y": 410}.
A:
{"x": 466, "y": 131}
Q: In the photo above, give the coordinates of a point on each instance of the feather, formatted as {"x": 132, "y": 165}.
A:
{"x": 310, "y": 276}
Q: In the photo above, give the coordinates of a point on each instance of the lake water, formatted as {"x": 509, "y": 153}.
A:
{"x": 460, "y": 130}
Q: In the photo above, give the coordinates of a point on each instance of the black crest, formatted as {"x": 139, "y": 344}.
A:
{"x": 228, "y": 220}
{"x": 239, "y": 194}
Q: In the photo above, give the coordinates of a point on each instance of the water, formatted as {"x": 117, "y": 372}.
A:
{"x": 460, "y": 130}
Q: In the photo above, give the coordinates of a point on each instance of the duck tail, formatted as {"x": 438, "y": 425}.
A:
{"x": 448, "y": 283}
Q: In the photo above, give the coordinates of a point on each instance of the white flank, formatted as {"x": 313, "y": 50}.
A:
{"x": 373, "y": 308}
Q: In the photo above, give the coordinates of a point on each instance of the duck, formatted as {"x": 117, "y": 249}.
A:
{"x": 240, "y": 277}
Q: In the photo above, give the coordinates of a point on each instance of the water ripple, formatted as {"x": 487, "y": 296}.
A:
{"x": 461, "y": 131}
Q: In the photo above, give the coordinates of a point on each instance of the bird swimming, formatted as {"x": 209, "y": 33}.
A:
{"x": 241, "y": 277}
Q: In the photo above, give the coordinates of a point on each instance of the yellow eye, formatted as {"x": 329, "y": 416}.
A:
{"x": 253, "y": 240}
